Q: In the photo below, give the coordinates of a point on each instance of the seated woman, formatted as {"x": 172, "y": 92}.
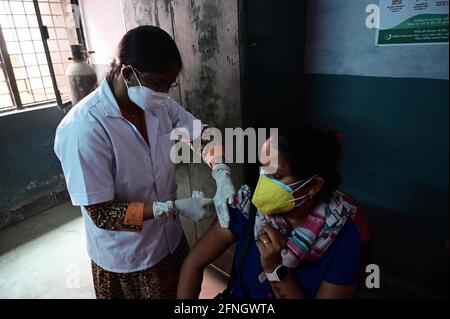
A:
{"x": 305, "y": 243}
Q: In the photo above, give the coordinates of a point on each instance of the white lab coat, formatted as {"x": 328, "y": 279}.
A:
{"x": 104, "y": 157}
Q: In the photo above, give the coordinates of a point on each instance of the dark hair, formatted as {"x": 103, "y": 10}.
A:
{"x": 310, "y": 151}
{"x": 148, "y": 49}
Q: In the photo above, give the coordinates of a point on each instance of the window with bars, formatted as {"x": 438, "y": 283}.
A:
{"x": 35, "y": 39}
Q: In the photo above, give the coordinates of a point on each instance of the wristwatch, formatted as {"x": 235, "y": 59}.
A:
{"x": 279, "y": 274}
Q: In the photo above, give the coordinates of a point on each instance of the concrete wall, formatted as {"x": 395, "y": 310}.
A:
{"x": 391, "y": 104}
{"x": 31, "y": 178}
{"x": 102, "y": 31}
{"x": 95, "y": 23}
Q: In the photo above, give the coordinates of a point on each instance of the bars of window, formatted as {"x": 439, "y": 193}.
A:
{"x": 26, "y": 51}
{"x": 5, "y": 94}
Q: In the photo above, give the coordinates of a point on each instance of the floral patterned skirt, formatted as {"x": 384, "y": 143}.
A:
{"x": 157, "y": 282}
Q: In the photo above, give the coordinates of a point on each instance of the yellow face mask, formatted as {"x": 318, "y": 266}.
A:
{"x": 273, "y": 197}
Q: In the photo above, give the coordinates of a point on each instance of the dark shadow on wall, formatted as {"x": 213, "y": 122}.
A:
{"x": 413, "y": 259}
{"x": 272, "y": 44}
{"x": 31, "y": 178}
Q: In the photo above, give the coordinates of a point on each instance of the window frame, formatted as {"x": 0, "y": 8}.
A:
{"x": 10, "y": 78}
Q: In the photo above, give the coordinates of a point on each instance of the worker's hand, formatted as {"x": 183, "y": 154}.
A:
{"x": 196, "y": 208}
{"x": 225, "y": 193}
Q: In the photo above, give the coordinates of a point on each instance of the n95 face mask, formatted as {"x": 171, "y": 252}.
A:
{"x": 273, "y": 197}
{"x": 144, "y": 97}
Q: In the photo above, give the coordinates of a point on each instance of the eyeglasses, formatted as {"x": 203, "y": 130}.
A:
{"x": 158, "y": 87}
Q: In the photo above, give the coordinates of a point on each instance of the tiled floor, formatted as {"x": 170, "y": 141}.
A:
{"x": 45, "y": 257}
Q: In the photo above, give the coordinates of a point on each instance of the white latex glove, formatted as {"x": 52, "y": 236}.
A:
{"x": 225, "y": 193}
{"x": 196, "y": 209}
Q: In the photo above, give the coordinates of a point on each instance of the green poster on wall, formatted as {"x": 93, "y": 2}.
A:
{"x": 407, "y": 22}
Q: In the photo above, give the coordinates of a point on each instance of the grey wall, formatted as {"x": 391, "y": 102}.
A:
{"x": 31, "y": 179}
{"x": 340, "y": 43}
{"x": 391, "y": 104}
{"x": 102, "y": 31}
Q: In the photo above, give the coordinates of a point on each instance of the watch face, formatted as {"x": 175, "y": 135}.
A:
{"x": 282, "y": 272}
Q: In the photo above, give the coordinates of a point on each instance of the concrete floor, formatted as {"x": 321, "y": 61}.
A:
{"x": 45, "y": 257}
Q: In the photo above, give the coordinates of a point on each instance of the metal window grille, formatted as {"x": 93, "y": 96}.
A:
{"x": 35, "y": 39}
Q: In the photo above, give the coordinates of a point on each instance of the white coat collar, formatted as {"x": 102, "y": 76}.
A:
{"x": 111, "y": 109}
{"x": 109, "y": 103}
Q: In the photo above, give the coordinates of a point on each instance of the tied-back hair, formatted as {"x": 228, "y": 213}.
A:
{"x": 311, "y": 151}
{"x": 148, "y": 49}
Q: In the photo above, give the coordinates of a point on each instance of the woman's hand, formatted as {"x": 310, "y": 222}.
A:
{"x": 270, "y": 244}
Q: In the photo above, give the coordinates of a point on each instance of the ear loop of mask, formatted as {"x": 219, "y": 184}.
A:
{"x": 305, "y": 182}
{"x": 135, "y": 75}
{"x": 304, "y": 197}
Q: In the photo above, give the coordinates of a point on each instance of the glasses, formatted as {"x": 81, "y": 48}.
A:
{"x": 157, "y": 86}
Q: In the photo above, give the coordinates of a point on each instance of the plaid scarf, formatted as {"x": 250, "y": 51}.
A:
{"x": 311, "y": 240}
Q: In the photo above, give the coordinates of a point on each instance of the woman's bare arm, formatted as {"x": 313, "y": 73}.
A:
{"x": 208, "y": 248}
